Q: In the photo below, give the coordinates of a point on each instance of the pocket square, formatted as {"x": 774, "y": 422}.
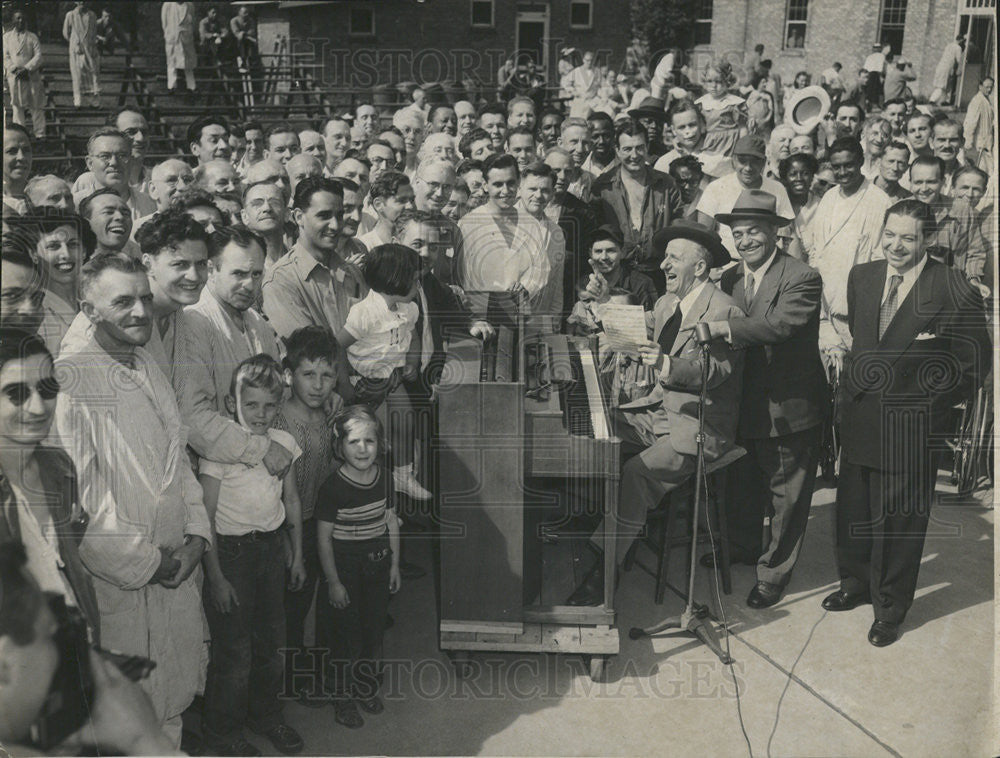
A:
{"x": 926, "y": 336}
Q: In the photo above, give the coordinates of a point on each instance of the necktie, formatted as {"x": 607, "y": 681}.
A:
{"x": 891, "y": 304}
{"x": 669, "y": 332}
{"x": 748, "y": 291}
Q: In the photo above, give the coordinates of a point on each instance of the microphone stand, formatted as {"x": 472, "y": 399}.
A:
{"x": 694, "y": 619}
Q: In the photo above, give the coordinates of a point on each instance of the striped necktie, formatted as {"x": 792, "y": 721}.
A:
{"x": 890, "y": 306}
{"x": 748, "y": 291}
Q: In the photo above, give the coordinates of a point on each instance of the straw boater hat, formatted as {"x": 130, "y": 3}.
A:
{"x": 650, "y": 107}
{"x": 754, "y": 204}
{"x": 806, "y": 107}
{"x": 692, "y": 230}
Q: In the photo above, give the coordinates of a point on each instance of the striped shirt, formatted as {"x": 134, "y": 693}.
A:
{"x": 357, "y": 511}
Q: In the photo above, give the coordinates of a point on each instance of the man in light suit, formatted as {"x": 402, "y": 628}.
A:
{"x": 785, "y": 394}
{"x": 661, "y": 428}
{"x": 920, "y": 344}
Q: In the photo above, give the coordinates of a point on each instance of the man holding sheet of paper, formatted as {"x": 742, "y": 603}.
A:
{"x": 659, "y": 430}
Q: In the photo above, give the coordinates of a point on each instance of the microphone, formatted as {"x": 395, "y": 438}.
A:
{"x": 702, "y": 333}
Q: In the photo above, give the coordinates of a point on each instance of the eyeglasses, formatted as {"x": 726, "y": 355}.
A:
{"x": 20, "y": 392}
{"x": 106, "y": 157}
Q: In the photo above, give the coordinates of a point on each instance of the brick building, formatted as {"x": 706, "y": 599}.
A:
{"x": 809, "y": 35}
{"x": 383, "y": 42}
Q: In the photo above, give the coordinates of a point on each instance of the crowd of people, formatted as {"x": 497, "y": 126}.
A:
{"x": 197, "y": 355}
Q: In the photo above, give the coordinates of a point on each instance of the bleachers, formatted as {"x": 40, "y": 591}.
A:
{"x": 285, "y": 86}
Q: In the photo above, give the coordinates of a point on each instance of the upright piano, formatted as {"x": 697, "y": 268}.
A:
{"x": 523, "y": 429}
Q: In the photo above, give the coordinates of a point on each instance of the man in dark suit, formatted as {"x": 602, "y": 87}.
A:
{"x": 638, "y": 200}
{"x": 660, "y": 430}
{"x": 784, "y": 394}
{"x": 920, "y": 344}
{"x": 576, "y": 220}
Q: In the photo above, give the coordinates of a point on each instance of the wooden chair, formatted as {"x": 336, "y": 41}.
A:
{"x": 662, "y": 539}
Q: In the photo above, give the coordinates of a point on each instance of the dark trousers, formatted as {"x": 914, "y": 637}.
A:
{"x": 245, "y": 669}
{"x": 297, "y": 605}
{"x": 873, "y": 90}
{"x": 882, "y": 519}
{"x": 775, "y": 480}
{"x": 355, "y": 632}
{"x": 402, "y": 397}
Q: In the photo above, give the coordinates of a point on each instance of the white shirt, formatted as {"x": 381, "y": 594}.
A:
{"x": 688, "y": 300}
{"x": 909, "y": 279}
{"x": 383, "y": 335}
{"x": 712, "y": 164}
{"x": 874, "y": 63}
{"x": 372, "y": 239}
{"x": 720, "y": 196}
{"x": 756, "y": 276}
{"x": 249, "y": 496}
{"x": 683, "y": 307}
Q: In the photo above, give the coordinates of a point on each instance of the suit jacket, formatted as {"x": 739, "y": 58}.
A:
{"x": 933, "y": 353}
{"x": 785, "y": 387}
{"x": 58, "y": 476}
{"x": 663, "y": 205}
{"x": 577, "y": 222}
{"x": 674, "y": 400}
{"x": 444, "y": 310}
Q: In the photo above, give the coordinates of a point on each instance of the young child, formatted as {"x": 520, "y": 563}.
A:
{"x": 311, "y": 370}
{"x": 725, "y": 112}
{"x": 358, "y": 539}
{"x": 254, "y": 516}
{"x": 384, "y": 348}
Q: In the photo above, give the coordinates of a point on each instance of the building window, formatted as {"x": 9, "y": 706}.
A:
{"x": 482, "y": 13}
{"x": 361, "y": 22}
{"x": 581, "y": 14}
{"x": 795, "y": 24}
{"x": 891, "y": 24}
{"x": 703, "y": 23}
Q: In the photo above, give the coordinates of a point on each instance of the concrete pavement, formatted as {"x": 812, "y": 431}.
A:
{"x": 810, "y": 684}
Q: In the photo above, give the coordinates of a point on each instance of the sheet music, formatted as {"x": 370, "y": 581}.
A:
{"x": 624, "y": 326}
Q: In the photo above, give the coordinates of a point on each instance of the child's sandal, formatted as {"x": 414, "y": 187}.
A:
{"x": 345, "y": 713}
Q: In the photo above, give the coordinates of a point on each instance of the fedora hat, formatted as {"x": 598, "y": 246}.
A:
{"x": 650, "y": 107}
{"x": 806, "y": 108}
{"x": 692, "y": 230}
{"x": 754, "y": 204}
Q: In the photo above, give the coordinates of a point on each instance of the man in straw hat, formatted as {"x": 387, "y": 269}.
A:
{"x": 784, "y": 398}
{"x": 660, "y": 429}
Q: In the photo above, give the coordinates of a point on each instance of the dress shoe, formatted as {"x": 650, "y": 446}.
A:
{"x": 591, "y": 589}
{"x": 764, "y": 595}
{"x": 735, "y": 557}
{"x": 843, "y": 601}
{"x": 883, "y": 633}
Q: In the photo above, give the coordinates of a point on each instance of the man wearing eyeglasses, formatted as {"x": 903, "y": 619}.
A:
{"x": 133, "y": 125}
{"x": 432, "y": 186}
{"x": 109, "y": 158}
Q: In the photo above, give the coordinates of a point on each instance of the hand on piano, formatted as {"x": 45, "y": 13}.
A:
{"x": 481, "y": 329}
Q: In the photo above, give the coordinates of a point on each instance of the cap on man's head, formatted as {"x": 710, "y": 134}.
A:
{"x": 607, "y": 232}
{"x": 751, "y": 144}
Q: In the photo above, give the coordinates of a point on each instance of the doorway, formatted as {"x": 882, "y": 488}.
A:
{"x": 980, "y": 55}
{"x": 532, "y": 36}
